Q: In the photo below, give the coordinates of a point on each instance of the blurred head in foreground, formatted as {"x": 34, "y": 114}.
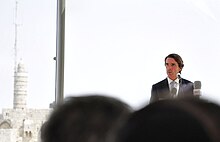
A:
{"x": 92, "y": 118}
{"x": 191, "y": 120}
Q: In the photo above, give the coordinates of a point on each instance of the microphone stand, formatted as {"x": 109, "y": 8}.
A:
{"x": 180, "y": 84}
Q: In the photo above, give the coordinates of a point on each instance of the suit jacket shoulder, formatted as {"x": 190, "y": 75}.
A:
{"x": 186, "y": 81}
{"x": 160, "y": 83}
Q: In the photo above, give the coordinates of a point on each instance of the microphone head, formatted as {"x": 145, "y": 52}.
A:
{"x": 197, "y": 84}
{"x": 178, "y": 75}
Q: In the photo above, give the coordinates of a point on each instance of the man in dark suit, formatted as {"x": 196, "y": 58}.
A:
{"x": 173, "y": 86}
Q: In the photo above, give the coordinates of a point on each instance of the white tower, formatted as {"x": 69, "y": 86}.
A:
{"x": 20, "y": 75}
{"x": 20, "y": 87}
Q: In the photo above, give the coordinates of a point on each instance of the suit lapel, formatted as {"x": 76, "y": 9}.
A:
{"x": 165, "y": 89}
{"x": 182, "y": 85}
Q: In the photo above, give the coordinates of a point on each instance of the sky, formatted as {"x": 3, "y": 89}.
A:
{"x": 112, "y": 47}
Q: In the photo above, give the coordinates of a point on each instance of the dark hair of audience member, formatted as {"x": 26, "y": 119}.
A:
{"x": 191, "y": 120}
{"x": 87, "y": 118}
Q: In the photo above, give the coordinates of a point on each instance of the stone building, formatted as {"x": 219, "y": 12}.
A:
{"x": 21, "y": 124}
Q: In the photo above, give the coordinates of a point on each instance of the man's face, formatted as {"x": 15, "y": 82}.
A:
{"x": 172, "y": 68}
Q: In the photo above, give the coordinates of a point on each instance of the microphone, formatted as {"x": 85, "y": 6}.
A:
{"x": 178, "y": 75}
{"x": 197, "y": 88}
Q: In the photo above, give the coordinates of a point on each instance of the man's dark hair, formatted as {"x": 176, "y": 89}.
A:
{"x": 177, "y": 58}
{"x": 90, "y": 118}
